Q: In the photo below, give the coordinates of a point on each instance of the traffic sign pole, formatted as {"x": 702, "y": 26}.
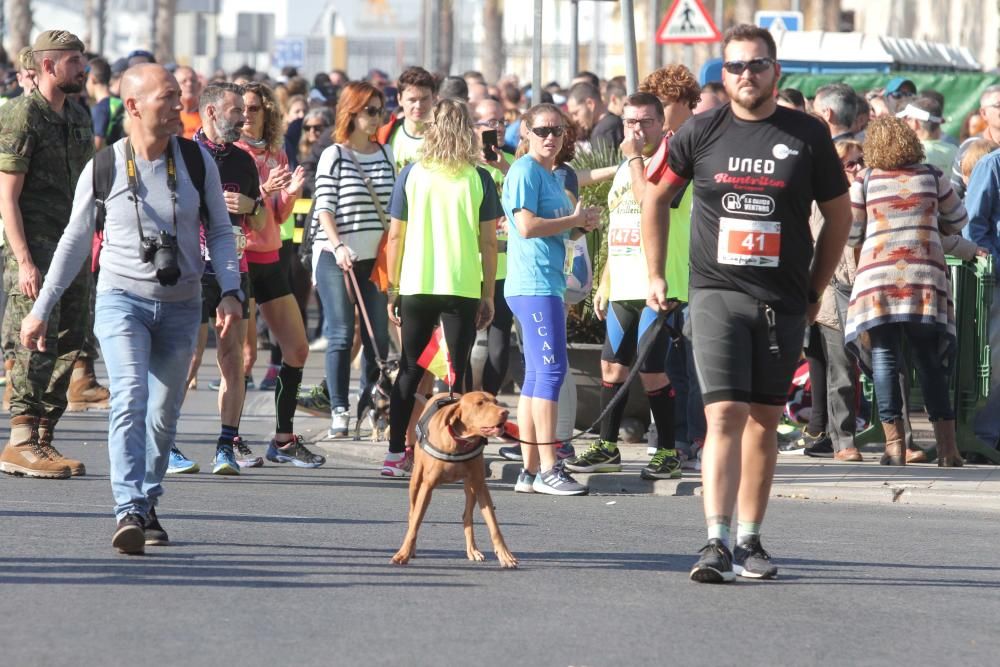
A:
{"x": 631, "y": 58}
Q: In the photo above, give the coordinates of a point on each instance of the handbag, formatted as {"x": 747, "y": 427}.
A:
{"x": 380, "y": 272}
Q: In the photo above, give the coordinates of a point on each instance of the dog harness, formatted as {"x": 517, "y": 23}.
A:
{"x": 477, "y": 443}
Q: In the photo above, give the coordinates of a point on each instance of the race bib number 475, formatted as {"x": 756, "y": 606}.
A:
{"x": 749, "y": 242}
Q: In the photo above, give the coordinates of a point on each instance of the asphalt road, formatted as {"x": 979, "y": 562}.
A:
{"x": 289, "y": 566}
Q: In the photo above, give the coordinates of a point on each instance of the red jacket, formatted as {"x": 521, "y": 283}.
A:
{"x": 263, "y": 246}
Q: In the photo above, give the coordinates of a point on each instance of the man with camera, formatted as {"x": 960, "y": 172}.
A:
{"x": 149, "y": 290}
{"x": 44, "y": 144}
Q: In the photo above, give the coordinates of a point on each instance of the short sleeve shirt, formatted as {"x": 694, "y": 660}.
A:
{"x": 238, "y": 173}
{"x": 405, "y": 148}
{"x": 535, "y": 266}
{"x": 608, "y": 133}
{"x": 754, "y": 184}
{"x": 502, "y": 222}
{"x": 442, "y": 211}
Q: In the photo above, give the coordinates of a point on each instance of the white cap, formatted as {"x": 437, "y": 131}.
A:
{"x": 919, "y": 114}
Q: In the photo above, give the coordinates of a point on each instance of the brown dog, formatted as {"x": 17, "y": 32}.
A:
{"x": 455, "y": 430}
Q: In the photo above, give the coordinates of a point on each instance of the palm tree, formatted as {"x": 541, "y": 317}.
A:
{"x": 20, "y": 25}
{"x": 166, "y": 11}
{"x": 493, "y": 56}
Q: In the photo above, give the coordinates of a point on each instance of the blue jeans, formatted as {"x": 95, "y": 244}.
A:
{"x": 147, "y": 347}
{"x": 933, "y": 370}
{"x": 338, "y": 325}
{"x": 689, "y": 411}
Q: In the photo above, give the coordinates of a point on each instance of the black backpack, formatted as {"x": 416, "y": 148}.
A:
{"x": 104, "y": 177}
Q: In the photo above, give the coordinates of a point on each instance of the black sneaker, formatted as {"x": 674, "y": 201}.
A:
{"x": 155, "y": 535}
{"x": 293, "y": 452}
{"x": 821, "y": 448}
{"x": 665, "y": 464}
{"x": 750, "y": 560}
{"x": 130, "y": 538}
{"x": 715, "y": 565}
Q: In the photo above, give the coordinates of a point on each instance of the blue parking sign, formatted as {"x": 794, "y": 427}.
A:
{"x": 779, "y": 21}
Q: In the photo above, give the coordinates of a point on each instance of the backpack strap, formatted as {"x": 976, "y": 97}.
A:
{"x": 195, "y": 163}
{"x": 104, "y": 178}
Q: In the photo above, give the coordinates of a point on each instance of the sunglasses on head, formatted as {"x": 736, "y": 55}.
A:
{"x": 756, "y": 66}
{"x": 555, "y": 131}
{"x": 373, "y": 111}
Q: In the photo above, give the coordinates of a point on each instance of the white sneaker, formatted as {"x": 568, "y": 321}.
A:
{"x": 557, "y": 482}
{"x": 340, "y": 424}
{"x": 525, "y": 482}
{"x": 318, "y": 345}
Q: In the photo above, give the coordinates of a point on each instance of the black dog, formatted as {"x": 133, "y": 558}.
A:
{"x": 374, "y": 403}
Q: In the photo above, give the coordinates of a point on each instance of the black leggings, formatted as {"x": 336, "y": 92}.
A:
{"x": 420, "y": 314}
{"x": 498, "y": 343}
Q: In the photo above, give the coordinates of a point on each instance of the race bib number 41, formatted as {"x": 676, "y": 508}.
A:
{"x": 749, "y": 242}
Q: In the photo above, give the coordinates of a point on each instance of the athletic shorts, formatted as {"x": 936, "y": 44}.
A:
{"x": 270, "y": 281}
{"x": 211, "y": 295}
{"x": 732, "y": 348}
{"x": 627, "y": 321}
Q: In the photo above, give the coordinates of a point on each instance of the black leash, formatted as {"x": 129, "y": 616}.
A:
{"x": 645, "y": 346}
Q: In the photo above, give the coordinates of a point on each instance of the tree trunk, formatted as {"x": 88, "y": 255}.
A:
{"x": 88, "y": 24}
{"x": 446, "y": 45}
{"x": 166, "y": 12}
{"x": 493, "y": 55}
{"x": 743, "y": 11}
{"x": 20, "y": 26}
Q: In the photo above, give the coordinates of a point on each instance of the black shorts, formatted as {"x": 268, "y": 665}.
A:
{"x": 732, "y": 348}
{"x": 626, "y": 323}
{"x": 270, "y": 281}
{"x": 211, "y": 295}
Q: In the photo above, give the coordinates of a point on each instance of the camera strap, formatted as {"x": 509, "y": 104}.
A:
{"x": 132, "y": 173}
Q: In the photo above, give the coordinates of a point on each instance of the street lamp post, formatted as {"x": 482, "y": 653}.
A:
{"x": 536, "y": 70}
{"x": 631, "y": 58}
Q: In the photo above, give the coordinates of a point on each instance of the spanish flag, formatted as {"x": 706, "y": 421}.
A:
{"x": 435, "y": 358}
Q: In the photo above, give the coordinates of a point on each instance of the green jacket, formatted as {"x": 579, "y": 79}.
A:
{"x": 51, "y": 150}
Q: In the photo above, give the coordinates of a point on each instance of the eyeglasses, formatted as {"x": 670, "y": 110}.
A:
{"x": 543, "y": 132}
{"x": 851, "y": 165}
{"x": 641, "y": 122}
{"x": 314, "y": 128}
{"x": 492, "y": 124}
{"x": 373, "y": 111}
{"x": 756, "y": 66}
{"x": 253, "y": 108}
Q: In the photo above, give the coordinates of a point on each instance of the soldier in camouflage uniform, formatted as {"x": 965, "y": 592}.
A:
{"x": 45, "y": 141}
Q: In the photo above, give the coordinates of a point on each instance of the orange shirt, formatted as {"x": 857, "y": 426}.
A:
{"x": 192, "y": 121}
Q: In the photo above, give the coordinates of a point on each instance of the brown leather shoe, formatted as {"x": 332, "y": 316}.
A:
{"x": 895, "y": 450}
{"x": 948, "y": 456}
{"x": 850, "y": 454}
{"x": 85, "y": 393}
{"x": 24, "y": 456}
{"x": 916, "y": 456}
{"x": 45, "y": 429}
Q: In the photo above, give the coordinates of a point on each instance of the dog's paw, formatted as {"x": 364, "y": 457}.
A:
{"x": 476, "y": 555}
{"x": 507, "y": 560}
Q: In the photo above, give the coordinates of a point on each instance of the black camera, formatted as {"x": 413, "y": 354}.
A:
{"x": 162, "y": 253}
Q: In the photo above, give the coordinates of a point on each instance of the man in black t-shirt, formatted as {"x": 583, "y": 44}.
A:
{"x": 605, "y": 130}
{"x": 756, "y": 169}
{"x": 222, "y": 117}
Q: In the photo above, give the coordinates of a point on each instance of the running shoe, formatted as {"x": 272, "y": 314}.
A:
{"x": 341, "y": 422}
{"x": 293, "y": 452}
{"x": 565, "y": 451}
{"x": 318, "y": 345}
{"x": 601, "y": 457}
{"x": 180, "y": 464}
{"x": 693, "y": 460}
{"x": 525, "y": 482}
{"x": 512, "y": 453}
{"x": 665, "y": 464}
{"x": 225, "y": 462}
{"x": 214, "y": 385}
{"x": 715, "y": 565}
{"x": 798, "y": 445}
{"x": 751, "y": 560}
{"x": 129, "y": 537}
{"x": 557, "y": 482}
{"x": 245, "y": 456}
{"x": 822, "y": 448}
{"x": 270, "y": 380}
{"x": 398, "y": 465}
{"x": 316, "y": 401}
{"x": 155, "y": 535}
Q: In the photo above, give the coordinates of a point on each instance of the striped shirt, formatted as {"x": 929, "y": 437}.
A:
{"x": 341, "y": 190}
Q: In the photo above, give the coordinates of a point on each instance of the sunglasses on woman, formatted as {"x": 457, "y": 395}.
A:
{"x": 756, "y": 66}
{"x": 314, "y": 128}
{"x": 543, "y": 132}
{"x": 851, "y": 165}
{"x": 373, "y": 111}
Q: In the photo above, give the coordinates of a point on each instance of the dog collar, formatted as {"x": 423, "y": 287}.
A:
{"x": 478, "y": 442}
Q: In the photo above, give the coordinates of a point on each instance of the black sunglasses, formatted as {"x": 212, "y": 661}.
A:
{"x": 373, "y": 111}
{"x": 854, "y": 164}
{"x": 756, "y": 66}
{"x": 555, "y": 131}
{"x": 314, "y": 128}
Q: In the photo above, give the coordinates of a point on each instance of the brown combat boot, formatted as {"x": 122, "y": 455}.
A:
{"x": 850, "y": 455}
{"x": 84, "y": 391}
{"x": 944, "y": 434}
{"x": 895, "y": 449}
{"x": 8, "y": 389}
{"x": 24, "y": 456}
{"x": 916, "y": 456}
{"x": 45, "y": 430}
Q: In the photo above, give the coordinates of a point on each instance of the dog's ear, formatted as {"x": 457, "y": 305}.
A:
{"x": 453, "y": 418}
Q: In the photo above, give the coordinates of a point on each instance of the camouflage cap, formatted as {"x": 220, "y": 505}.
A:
{"x": 57, "y": 40}
{"x": 24, "y": 59}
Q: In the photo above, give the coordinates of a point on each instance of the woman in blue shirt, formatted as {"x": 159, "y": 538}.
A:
{"x": 544, "y": 219}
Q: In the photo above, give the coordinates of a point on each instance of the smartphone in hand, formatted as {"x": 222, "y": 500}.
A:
{"x": 490, "y": 143}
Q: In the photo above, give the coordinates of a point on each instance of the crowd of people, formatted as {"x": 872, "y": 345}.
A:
{"x": 747, "y": 228}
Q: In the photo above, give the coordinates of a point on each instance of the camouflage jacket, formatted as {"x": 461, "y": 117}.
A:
{"x": 51, "y": 150}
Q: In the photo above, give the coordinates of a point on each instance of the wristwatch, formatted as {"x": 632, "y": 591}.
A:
{"x": 813, "y": 296}
{"x": 236, "y": 294}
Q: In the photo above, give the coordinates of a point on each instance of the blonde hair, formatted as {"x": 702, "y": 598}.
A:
{"x": 976, "y": 151}
{"x": 274, "y": 120}
{"x": 845, "y": 146}
{"x": 450, "y": 141}
{"x": 891, "y": 144}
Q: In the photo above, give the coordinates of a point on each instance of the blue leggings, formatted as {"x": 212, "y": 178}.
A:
{"x": 543, "y": 332}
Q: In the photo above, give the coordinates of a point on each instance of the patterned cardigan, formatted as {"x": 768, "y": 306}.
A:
{"x": 902, "y": 275}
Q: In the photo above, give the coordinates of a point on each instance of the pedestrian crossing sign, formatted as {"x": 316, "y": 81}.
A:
{"x": 779, "y": 22}
{"x": 687, "y": 22}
